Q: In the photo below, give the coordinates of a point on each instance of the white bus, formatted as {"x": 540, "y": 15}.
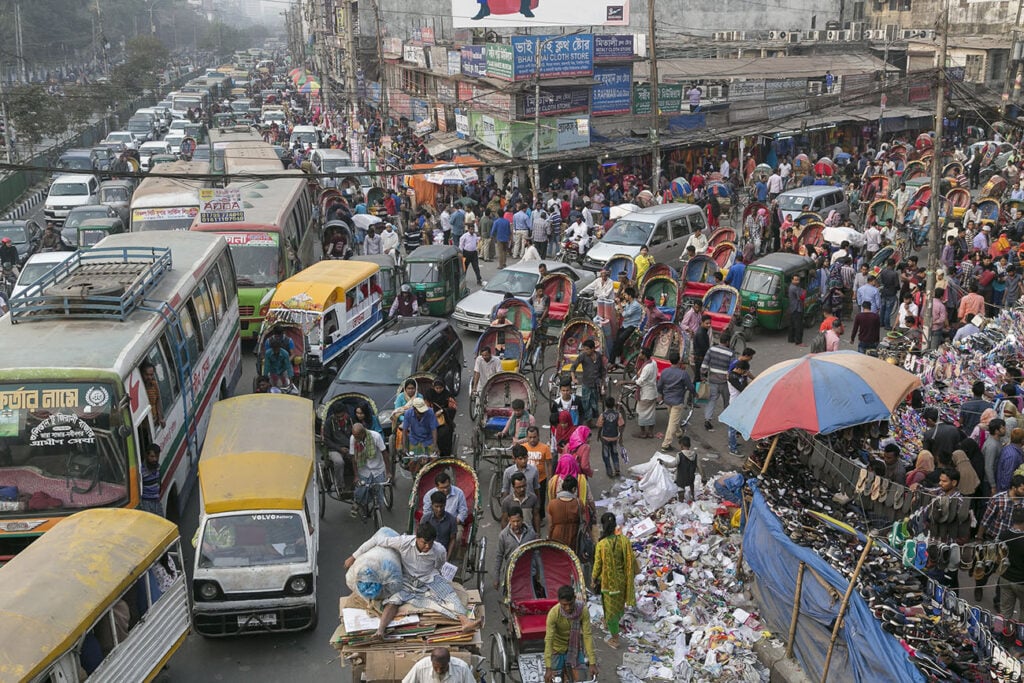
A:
{"x": 77, "y": 418}
{"x": 169, "y": 203}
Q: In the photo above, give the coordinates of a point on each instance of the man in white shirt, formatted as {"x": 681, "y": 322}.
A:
{"x": 724, "y": 167}
{"x": 907, "y": 309}
{"x": 484, "y": 367}
{"x": 698, "y": 241}
{"x": 785, "y": 170}
{"x": 578, "y": 234}
{"x": 873, "y": 240}
{"x": 602, "y": 287}
{"x": 440, "y": 667}
{"x": 774, "y": 185}
{"x": 530, "y": 253}
{"x": 389, "y": 241}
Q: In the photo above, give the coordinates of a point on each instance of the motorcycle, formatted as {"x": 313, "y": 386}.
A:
{"x": 7, "y": 280}
{"x": 571, "y": 253}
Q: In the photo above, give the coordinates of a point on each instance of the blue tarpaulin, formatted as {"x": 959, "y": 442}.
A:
{"x": 864, "y": 653}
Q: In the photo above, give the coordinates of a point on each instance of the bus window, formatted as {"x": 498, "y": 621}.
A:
{"x": 217, "y": 292}
{"x": 227, "y": 271}
{"x": 165, "y": 379}
{"x": 172, "y": 364}
{"x": 187, "y": 316}
{"x": 204, "y": 312}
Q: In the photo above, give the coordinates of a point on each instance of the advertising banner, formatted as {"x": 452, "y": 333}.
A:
{"x": 462, "y": 123}
{"x": 506, "y": 13}
{"x": 785, "y": 87}
{"x": 561, "y": 56}
{"x": 474, "y": 61}
{"x": 554, "y": 101}
{"x": 415, "y": 54}
{"x": 445, "y": 91}
{"x": 438, "y": 59}
{"x": 420, "y": 110}
{"x": 499, "y": 61}
{"x": 612, "y": 96}
{"x": 609, "y": 47}
{"x": 454, "y": 62}
{"x": 746, "y": 90}
{"x": 573, "y": 133}
{"x": 670, "y": 98}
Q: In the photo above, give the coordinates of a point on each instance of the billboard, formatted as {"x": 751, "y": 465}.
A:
{"x": 610, "y": 47}
{"x": 474, "y": 61}
{"x": 508, "y": 14}
{"x": 554, "y": 101}
{"x": 670, "y": 98}
{"x": 515, "y": 138}
{"x": 612, "y": 95}
{"x": 560, "y": 57}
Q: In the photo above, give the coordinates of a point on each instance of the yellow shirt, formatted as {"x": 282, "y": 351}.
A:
{"x": 642, "y": 263}
{"x": 556, "y": 637}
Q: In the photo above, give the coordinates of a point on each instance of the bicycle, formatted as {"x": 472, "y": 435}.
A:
{"x": 500, "y": 458}
{"x": 328, "y": 488}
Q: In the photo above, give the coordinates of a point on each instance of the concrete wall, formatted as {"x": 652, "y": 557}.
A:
{"x": 965, "y": 18}
{"x": 673, "y": 16}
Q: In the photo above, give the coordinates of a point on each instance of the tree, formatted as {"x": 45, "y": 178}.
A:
{"x": 145, "y": 56}
{"x": 36, "y": 115}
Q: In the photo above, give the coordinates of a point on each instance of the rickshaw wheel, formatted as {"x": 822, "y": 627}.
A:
{"x": 547, "y": 376}
{"x": 481, "y": 565}
{"x": 738, "y": 342}
{"x": 378, "y": 518}
{"x": 322, "y": 486}
{"x": 389, "y": 496}
{"x": 500, "y": 665}
{"x": 474, "y": 407}
{"x": 494, "y": 494}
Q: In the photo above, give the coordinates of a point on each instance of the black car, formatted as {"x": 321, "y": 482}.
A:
{"x": 25, "y": 236}
{"x": 77, "y": 160}
{"x": 403, "y": 347}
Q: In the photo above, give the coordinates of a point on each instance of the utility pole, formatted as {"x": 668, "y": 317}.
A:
{"x": 8, "y": 147}
{"x": 1013, "y": 64}
{"x": 19, "y": 42}
{"x": 380, "y": 66}
{"x": 936, "y": 236}
{"x": 655, "y": 145}
{"x": 536, "y": 117}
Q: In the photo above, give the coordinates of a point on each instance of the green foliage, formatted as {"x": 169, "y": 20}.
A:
{"x": 146, "y": 56}
{"x": 35, "y": 114}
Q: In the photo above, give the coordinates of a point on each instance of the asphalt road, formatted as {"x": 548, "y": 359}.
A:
{"x": 308, "y": 656}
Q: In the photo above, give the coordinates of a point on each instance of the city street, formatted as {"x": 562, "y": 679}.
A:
{"x": 308, "y": 656}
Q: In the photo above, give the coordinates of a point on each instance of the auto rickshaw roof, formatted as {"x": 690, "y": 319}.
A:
{"x": 258, "y": 455}
{"x": 56, "y": 589}
{"x": 432, "y": 253}
{"x": 325, "y": 283}
{"x": 784, "y": 262}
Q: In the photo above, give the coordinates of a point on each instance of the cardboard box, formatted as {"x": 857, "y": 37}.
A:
{"x": 388, "y": 667}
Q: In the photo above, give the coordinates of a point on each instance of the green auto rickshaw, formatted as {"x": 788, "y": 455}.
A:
{"x": 438, "y": 278}
{"x": 764, "y": 294}
{"x": 392, "y": 277}
{"x": 92, "y": 230}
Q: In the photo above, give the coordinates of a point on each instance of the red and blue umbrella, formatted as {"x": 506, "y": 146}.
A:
{"x": 819, "y": 393}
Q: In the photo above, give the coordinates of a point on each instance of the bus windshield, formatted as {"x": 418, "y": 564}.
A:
{"x": 256, "y": 259}
{"x": 60, "y": 448}
{"x": 169, "y": 218}
{"x": 250, "y": 540}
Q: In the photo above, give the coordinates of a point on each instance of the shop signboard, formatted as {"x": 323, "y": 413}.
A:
{"x": 420, "y": 110}
{"x": 462, "y": 123}
{"x": 919, "y": 92}
{"x": 427, "y": 35}
{"x": 505, "y": 14}
{"x": 554, "y": 101}
{"x": 454, "y": 62}
{"x": 752, "y": 89}
{"x": 573, "y": 133}
{"x": 612, "y": 47}
{"x": 670, "y": 98}
{"x": 515, "y": 138}
{"x": 373, "y": 91}
{"x": 778, "y": 88}
{"x": 445, "y": 91}
{"x": 414, "y": 54}
{"x": 474, "y": 61}
{"x": 438, "y": 59}
{"x": 784, "y": 109}
{"x": 465, "y": 91}
{"x": 561, "y": 56}
{"x": 612, "y": 95}
{"x": 499, "y": 61}
{"x": 392, "y": 46}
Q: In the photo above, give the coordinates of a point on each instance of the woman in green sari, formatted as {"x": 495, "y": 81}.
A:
{"x": 614, "y": 569}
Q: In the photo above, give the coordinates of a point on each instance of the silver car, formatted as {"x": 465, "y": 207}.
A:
{"x": 474, "y": 311}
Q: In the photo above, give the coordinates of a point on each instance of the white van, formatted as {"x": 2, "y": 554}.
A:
{"x": 663, "y": 228}
{"x": 305, "y": 135}
{"x": 819, "y": 199}
{"x": 68, "y": 191}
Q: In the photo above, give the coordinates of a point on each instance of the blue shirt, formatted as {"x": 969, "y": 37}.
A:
{"x": 632, "y": 314}
{"x": 521, "y": 221}
{"x": 870, "y": 294}
{"x": 455, "y": 504}
{"x": 419, "y": 432}
{"x": 458, "y": 222}
{"x": 761, "y": 190}
{"x": 734, "y": 278}
{"x": 501, "y": 230}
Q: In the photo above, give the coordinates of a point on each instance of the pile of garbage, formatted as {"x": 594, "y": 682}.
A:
{"x": 692, "y": 622}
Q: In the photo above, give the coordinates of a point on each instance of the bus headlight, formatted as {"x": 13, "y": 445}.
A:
{"x": 300, "y": 585}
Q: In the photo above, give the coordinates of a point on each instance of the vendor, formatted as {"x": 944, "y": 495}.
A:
{"x": 440, "y": 666}
{"x": 423, "y": 586}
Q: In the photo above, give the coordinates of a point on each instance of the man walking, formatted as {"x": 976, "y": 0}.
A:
{"x": 593, "y": 371}
{"x": 673, "y": 386}
{"x": 521, "y": 225}
{"x": 889, "y": 282}
{"x": 797, "y": 295}
{"x": 501, "y": 233}
{"x": 539, "y": 232}
{"x": 485, "y": 248}
{"x": 468, "y": 245}
{"x": 715, "y": 370}
{"x": 866, "y": 329}
{"x": 739, "y": 378}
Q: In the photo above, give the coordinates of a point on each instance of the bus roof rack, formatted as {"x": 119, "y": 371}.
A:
{"x": 106, "y": 283}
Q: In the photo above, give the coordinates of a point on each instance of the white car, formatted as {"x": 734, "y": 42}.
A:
{"x": 37, "y": 266}
{"x": 148, "y": 149}
{"x": 174, "y": 140}
{"x": 474, "y": 311}
{"x": 125, "y": 137}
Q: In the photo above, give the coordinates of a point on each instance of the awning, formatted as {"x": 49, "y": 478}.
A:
{"x": 439, "y": 143}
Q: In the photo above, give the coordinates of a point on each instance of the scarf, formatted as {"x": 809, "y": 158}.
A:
{"x": 564, "y": 429}
{"x": 567, "y": 466}
{"x": 579, "y": 437}
{"x": 575, "y": 619}
{"x": 969, "y": 481}
{"x": 366, "y": 450}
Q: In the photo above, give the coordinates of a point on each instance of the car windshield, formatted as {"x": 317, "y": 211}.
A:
{"x": 332, "y": 165}
{"x": 114, "y": 194}
{"x": 628, "y": 233}
{"x": 120, "y": 137}
{"x": 33, "y": 271}
{"x": 69, "y": 190}
{"x": 514, "y": 282}
{"x": 252, "y": 540}
{"x": 139, "y": 126}
{"x": 368, "y": 366}
{"x": 77, "y": 163}
{"x": 795, "y": 202}
{"x": 62, "y": 439}
{"x": 242, "y": 107}
{"x": 760, "y": 282}
{"x": 305, "y": 137}
{"x": 15, "y": 233}
{"x": 76, "y": 217}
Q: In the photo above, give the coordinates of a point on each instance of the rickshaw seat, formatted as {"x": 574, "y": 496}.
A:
{"x": 661, "y": 364}
{"x": 532, "y": 617}
{"x": 496, "y": 419}
{"x": 509, "y": 365}
{"x": 558, "y": 310}
{"x": 697, "y": 289}
{"x": 719, "y": 321}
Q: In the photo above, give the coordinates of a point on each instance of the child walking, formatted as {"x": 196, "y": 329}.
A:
{"x": 609, "y": 426}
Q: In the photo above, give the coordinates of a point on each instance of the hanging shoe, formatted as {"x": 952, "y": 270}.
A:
{"x": 485, "y": 11}
{"x": 524, "y": 9}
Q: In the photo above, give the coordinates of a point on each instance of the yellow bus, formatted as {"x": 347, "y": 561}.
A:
{"x": 259, "y": 522}
{"x": 103, "y": 596}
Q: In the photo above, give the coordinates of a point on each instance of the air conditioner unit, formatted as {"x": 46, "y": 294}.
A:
{"x": 812, "y": 35}
{"x": 714, "y": 92}
{"x": 892, "y": 32}
{"x": 778, "y": 35}
{"x": 739, "y": 35}
{"x": 857, "y": 30}
{"x": 874, "y": 35}
{"x": 815, "y": 87}
{"x": 794, "y": 37}
{"x": 907, "y": 33}
{"x": 846, "y": 35}
{"x": 832, "y": 35}
{"x": 721, "y": 35}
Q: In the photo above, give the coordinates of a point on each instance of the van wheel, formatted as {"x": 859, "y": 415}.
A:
{"x": 223, "y": 393}
{"x": 315, "y": 621}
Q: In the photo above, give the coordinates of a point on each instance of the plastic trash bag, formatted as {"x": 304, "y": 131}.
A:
{"x": 658, "y": 485}
{"x": 376, "y": 574}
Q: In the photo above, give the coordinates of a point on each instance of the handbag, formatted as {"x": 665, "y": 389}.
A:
{"x": 703, "y": 391}
{"x": 584, "y": 541}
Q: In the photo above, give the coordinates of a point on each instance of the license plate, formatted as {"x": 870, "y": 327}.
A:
{"x": 258, "y": 620}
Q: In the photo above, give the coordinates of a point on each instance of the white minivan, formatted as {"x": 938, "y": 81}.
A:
{"x": 68, "y": 191}
{"x": 819, "y": 199}
{"x": 664, "y": 229}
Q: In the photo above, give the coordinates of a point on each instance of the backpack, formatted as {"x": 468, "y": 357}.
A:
{"x": 610, "y": 425}
{"x": 818, "y": 344}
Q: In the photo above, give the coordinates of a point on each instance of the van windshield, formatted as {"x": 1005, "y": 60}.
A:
{"x": 629, "y": 233}
{"x": 759, "y": 282}
{"x": 69, "y": 189}
{"x": 795, "y": 202}
{"x": 251, "y": 540}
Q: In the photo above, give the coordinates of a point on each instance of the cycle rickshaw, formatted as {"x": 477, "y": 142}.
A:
{"x": 698, "y": 277}
{"x": 570, "y": 345}
{"x": 561, "y": 293}
{"x": 400, "y": 455}
{"x": 495, "y": 408}
{"x": 293, "y": 333}
{"x": 470, "y": 558}
{"x": 530, "y": 583}
{"x": 617, "y": 264}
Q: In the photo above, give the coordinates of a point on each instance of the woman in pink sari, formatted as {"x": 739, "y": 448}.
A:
{"x": 579, "y": 448}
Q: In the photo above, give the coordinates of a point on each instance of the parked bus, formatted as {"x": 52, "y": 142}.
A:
{"x": 169, "y": 203}
{"x": 102, "y": 597}
{"x": 275, "y": 238}
{"x": 135, "y": 354}
{"x": 259, "y": 518}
